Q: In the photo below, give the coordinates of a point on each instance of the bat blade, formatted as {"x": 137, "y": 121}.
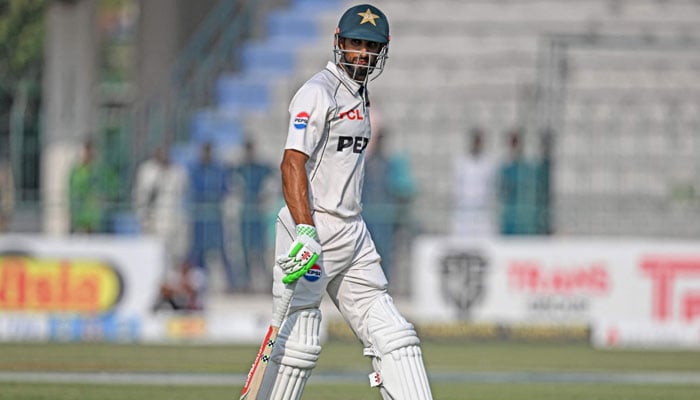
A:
{"x": 252, "y": 384}
{"x": 257, "y": 371}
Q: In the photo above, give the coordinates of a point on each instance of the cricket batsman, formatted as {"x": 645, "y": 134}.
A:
{"x": 322, "y": 243}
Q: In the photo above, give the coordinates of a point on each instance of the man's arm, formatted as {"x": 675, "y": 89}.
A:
{"x": 295, "y": 186}
{"x": 305, "y": 250}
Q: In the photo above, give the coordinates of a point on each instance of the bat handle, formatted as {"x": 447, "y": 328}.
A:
{"x": 283, "y": 306}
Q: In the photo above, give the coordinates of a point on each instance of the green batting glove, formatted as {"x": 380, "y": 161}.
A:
{"x": 302, "y": 255}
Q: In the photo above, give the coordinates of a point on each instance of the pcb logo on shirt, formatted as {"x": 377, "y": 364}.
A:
{"x": 301, "y": 120}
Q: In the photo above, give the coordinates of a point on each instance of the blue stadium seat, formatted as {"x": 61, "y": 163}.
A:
{"x": 218, "y": 128}
{"x": 243, "y": 92}
{"x": 269, "y": 57}
{"x": 316, "y": 5}
{"x": 291, "y": 24}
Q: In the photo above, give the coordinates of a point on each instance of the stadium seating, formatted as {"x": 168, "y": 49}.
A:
{"x": 266, "y": 67}
{"x": 220, "y": 128}
{"x": 242, "y": 92}
{"x": 624, "y": 110}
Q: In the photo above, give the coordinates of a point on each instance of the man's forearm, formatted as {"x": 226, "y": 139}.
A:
{"x": 295, "y": 187}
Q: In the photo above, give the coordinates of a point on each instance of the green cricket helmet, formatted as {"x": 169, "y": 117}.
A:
{"x": 363, "y": 22}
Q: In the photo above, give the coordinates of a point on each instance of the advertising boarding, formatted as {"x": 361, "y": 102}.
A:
{"x": 77, "y": 288}
{"x": 629, "y": 291}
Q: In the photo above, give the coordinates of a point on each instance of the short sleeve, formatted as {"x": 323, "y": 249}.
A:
{"x": 308, "y": 113}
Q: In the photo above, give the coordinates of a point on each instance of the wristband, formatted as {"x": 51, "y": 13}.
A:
{"x": 307, "y": 230}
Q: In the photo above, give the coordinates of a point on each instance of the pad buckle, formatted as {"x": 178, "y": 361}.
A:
{"x": 375, "y": 379}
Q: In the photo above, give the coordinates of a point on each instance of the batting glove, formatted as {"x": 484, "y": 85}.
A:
{"x": 302, "y": 255}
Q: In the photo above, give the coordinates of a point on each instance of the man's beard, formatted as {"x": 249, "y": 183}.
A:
{"x": 356, "y": 71}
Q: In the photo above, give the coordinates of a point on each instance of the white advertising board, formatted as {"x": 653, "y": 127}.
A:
{"x": 207, "y": 327}
{"x": 557, "y": 281}
{"x": 103, "y": 288}
{"x": 77, "y": 287}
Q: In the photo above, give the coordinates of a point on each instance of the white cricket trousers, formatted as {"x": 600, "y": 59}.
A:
{"x": 349, "y": 268}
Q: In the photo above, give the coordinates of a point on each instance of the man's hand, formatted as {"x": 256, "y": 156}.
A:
{"x": 302, "y": 255}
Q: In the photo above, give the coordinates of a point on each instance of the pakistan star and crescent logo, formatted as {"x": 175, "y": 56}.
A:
{"x": 367, "y": 16}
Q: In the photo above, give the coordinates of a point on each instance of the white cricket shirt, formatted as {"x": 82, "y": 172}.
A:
{"x": 329, "y": 122}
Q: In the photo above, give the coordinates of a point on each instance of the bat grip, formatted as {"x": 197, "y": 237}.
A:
{"x": 283, "y": 306}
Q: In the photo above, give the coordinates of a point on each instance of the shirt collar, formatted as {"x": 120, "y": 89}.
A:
{"x": 352, "y": 85}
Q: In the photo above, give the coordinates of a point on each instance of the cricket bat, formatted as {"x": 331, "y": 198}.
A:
{"x": 255, "y": 376}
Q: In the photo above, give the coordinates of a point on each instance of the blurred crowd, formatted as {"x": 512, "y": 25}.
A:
{"x": 506, "y": 195}
{"x": 208, "y": 214}
{"x": 7, "y": 193}
{"x": 212, "y": 214}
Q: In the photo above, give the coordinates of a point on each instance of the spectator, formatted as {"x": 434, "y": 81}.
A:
{"x": 158, "y": 198}
{"x": 544, "y": 190}
{"x": 253, "y": 174}
{"x": 184, "y": 290}
{"x": 208, "y": 190}
{"x": 91, "y": 188}
{"x": 7, "y": 194}
{"x": 517, "y": 190}
{"x": 388, "y": 190}
{"x": 474, "y": 181}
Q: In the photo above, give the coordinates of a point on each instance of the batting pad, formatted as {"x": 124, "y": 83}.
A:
{"x": 294, "y": 355}
{"x": 396, "y": 355}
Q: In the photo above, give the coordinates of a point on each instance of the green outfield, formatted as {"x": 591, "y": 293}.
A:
{"x": 458, "y": 371}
